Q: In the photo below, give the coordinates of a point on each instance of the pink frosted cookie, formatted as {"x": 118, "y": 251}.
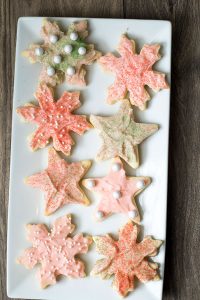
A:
{"x": 60, "y": 182}
{"x": 54, "y": 119}
{"x": 63, "y": 55}
{"x": 121, "y": 135}
{"x": 133, "y": 71}
{"x": 126, "y": 259}
{"x": 55, "y": 251}
{"x": 117, "y": 192}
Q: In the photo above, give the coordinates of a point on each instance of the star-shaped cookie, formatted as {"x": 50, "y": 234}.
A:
{"x": 60, "y": 182}
{"x": 133, "y": 72}
{"x": 126, "y": 258}
{"x": 121, "y": 135}
{"x": 54, "y": 119}
{"x": 117, "y": 192}
{"x": 56, "y": 251}
{"x": 63, "y": 55}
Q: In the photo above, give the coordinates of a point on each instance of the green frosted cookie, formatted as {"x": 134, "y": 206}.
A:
{"x": 121, "y": 135}
{"x": 63, "y": 55}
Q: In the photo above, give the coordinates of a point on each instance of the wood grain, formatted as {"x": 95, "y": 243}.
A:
{"x": 182, "y": 273}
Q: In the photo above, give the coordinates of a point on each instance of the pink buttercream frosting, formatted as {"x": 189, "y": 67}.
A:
{"x": 117, "y": 190}
{"x": 133, "y": 72}
{"x": 60, "y": 182}
{"x": 55, "y": 251}
{"x": 54, "y": 119}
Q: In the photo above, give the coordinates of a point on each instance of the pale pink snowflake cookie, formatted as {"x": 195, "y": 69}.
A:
{"x": 60, "y": 182}
{"x": 126, "y": 259}
{"x": 133, "y": 72}
{"x": 117, "y": 192}
{"x": 56, "y": 251}
{"x": 54, "y": 119}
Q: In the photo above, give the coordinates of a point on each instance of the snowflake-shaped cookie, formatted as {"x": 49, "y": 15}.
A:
{"x": 54, "y": 119}
{"x": 121, "y": 135}
{"x": 126, "y": 259}
{"x": 63, "y": 55}
{"x": 60, "y": 182}
{"x": 133, "y": 71}
{"x": 55, "y": 251}
{"x": 117, "y": 192}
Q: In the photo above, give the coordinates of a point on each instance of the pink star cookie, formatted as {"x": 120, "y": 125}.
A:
{"x": 126, "y": 259}
{"x": 117, "y": 192}
{"x": 54, "y": 119}
{"x": 133, "y": 71}
{"x": 60, "y": 182}
{"x": 55, "y": 251}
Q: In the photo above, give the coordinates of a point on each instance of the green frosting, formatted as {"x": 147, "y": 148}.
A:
{"x": 73, "y": 59}
{"x": 121, "y": 134}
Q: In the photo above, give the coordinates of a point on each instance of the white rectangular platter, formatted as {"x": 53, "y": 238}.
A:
{"x": 26, "y": 203}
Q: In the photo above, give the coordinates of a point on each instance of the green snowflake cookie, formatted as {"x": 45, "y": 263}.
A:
{"x": 63, "y": 55}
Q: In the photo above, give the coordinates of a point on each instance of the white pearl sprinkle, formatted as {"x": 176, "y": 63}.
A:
{"x": 61, "y": 107}
{"x": 73, "y": 36}
{"x": 116, "y": 167}
{"x": 61, "y": 135}
{"x": 68, "y": 49}
{"x": 71, "y": 71}
{"x": 50, "y": 71}
{"x": 32, "y": 115}
{"x": 90, "y": 183}
{"x": 63, "y": 143}
{"x": 116, "y": 194}
{"x": 57, "y": 59}
{"x": 82, "y": 50}
{"x": 39, "y": 51}
{"x": 132, "y": 214}
{"x": 140, "y": 184}
{"x": 53, "y": 38}
{"x": 99, "y": 215}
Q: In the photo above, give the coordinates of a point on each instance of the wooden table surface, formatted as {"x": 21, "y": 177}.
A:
{"x": 182, "y": 272}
